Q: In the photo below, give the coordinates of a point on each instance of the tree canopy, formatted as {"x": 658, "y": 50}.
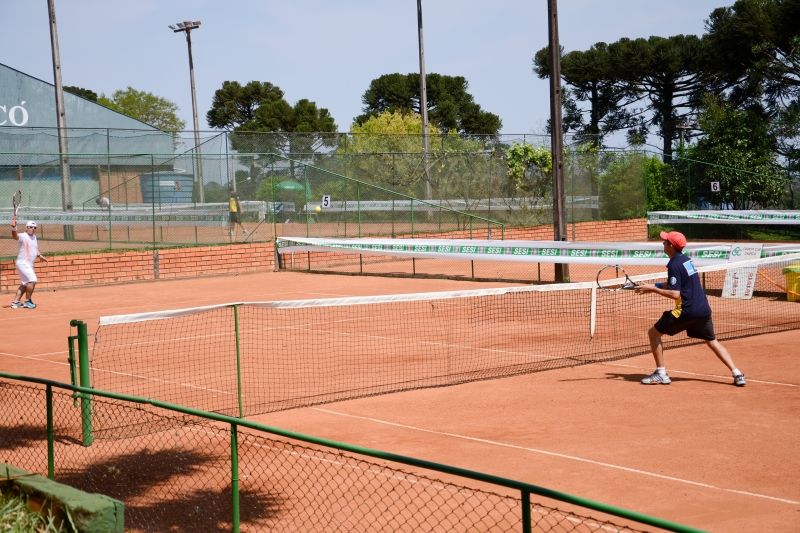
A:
{"x": 593, "y": 78}
{"x": 450, "y": 106}
{"x": 83, "y": 93}
{"x": 147, "y": 107}
{"x": 750, "y": 54}
{"x": 234, "y": 104}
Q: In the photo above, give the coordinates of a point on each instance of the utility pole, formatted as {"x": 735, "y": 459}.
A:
{"x": 63, "y": 146}
{"x": 187, "y": 28}
{"x": 556, "y": 138}
{"x": 423, "y": 105}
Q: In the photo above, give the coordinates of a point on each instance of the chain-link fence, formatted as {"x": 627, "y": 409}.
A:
{"x": 137, "y": 189}
{"x": 181, "y": 470}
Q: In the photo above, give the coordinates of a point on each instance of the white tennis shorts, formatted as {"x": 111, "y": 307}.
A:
{"x": 26, "y": 273}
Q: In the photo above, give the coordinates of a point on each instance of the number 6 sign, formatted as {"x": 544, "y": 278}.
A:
{"x": 714, "y": 186}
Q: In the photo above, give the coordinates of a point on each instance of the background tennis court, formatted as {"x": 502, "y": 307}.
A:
{"x": 699, "y": 452}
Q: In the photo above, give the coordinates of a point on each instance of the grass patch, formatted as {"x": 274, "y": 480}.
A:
{"x": 15, "y": 517}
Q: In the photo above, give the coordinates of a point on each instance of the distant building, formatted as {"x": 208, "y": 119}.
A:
{"x": 106, "y": 148}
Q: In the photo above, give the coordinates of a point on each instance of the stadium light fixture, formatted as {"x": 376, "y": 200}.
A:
{"x": 187, "y": 28}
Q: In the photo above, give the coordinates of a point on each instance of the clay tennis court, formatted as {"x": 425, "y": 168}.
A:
{"x": 699, "y": 452}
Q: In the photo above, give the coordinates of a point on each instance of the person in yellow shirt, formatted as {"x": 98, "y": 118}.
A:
{"x": 235, "y": 214}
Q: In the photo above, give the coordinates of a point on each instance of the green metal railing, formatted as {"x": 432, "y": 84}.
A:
{"x": 525, "y": 489}
{"x": 88, "y": 410}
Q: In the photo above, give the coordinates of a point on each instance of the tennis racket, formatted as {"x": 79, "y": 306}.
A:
{"x": 17, "y": 201}
{"x": 612, "y": 278}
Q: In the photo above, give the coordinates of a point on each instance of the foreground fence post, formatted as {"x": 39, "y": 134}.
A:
{"x": 526, "y": 512}
{"x": 83, "y": 364}
{"x": 235, "y": 478}
{"x": 50, "y": 434}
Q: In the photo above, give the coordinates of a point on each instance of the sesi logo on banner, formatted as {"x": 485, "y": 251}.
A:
{"x": 741, "y": 282}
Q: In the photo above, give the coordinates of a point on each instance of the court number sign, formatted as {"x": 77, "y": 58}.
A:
{"x": 714, "y": 186}
{"x": 326, "y": 200}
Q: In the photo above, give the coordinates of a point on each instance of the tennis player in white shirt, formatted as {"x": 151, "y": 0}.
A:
{"x": 28, "y": 254}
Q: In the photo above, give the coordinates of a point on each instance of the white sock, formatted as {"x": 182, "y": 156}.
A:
{"x": 736, "y": 372}
{"x": 662, "y": 371}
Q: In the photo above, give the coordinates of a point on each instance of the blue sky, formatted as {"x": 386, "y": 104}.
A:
{"x": 326, "y": 51}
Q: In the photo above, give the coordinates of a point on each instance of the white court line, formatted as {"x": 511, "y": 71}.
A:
{"x": 146, "y": 378}
{"x": 48, "y": 353}
{"x": 749, "y": 380}
{"x": 561, "y": 455}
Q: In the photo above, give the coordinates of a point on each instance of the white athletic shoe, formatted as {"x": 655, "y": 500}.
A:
{"x": 739, "y": 380}
{"x": 17, "y": 305}
{"x": 656, "y": 379}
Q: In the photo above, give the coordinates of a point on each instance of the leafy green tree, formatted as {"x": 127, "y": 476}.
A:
{"x": 622, "y": 187}
{"x": 754, "y": 47}
{"x": 450, "y": 106}
{"x": 144, "y": 106}
{"x": 83, "y": 93}
{"x": 665, "y": 187}
{"x": 234, "y": 104}
{"x": 297, "y": 130}
{"x": 756, "y": 43}
{"x": 387, "y": 150}
{"x": 530, "y": 170}
{"x": 595, "y": 81}
{"x": 669, "y": 71}
{"x": 739, "y": 154}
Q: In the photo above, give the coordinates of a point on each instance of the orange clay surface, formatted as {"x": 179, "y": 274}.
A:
{"x": 699, "y": 451}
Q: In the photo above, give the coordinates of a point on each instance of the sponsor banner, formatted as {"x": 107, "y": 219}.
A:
{"x": 600, "y": 253}
{"x": 98, "y": 219}
{"x": 741, "y": 282}
{"x": 490, "y": 204}
{"x": 744, "y": 251}
{"x": 724, "y": 217}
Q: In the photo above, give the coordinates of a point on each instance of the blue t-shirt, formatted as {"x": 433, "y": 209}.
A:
{"x": 682, "y": 276}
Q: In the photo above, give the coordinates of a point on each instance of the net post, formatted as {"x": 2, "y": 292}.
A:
{"x": 358, "y": 206}
{"x": 73, "y": 379}
{"x": 50, "y": 434}
{"x": 238, "y": 360}
{"x": 593, "y": 313}
{"x": 85, "y": 382}
{"x": 277, "y": 266}
{"x": 526, "y": 511}
{"x": 234, "y": 479}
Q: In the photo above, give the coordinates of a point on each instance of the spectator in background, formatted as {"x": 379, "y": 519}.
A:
{"x": 235, "y": 214}
{"x": 105, "y": 205}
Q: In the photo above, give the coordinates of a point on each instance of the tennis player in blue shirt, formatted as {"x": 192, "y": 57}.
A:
{"x": 692, "y": 313}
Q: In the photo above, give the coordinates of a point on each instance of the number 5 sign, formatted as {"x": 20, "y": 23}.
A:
{"x": 714, "y": 186}
{"x": 326, "y": 200}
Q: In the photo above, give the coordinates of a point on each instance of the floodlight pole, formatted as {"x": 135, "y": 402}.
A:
{"x": 187, "y": 28}
{"x": 556, "y": 138}
{"x": 63, "y": 147}
{"x": 423, "y": 105}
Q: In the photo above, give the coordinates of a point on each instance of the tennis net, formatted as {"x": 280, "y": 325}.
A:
{"x": 251, "y": 358}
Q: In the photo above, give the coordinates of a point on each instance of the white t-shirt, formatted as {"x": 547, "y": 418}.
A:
{"x": 28, "y": 249}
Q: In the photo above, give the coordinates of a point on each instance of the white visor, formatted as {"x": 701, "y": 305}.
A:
{"x": 30, "y": 224}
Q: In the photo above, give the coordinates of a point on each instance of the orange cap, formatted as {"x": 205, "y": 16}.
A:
{"x": 675, "y": 238}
